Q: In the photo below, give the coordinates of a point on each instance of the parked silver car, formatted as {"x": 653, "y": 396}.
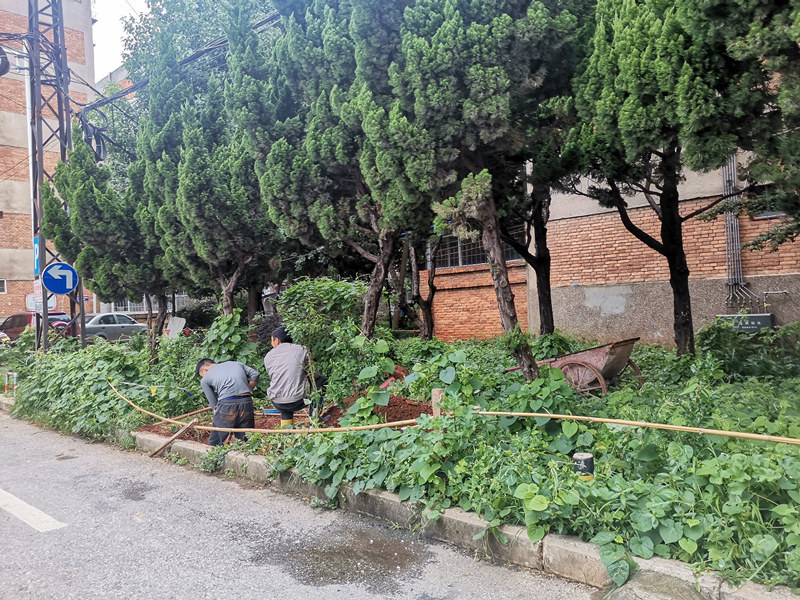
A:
{"x": 112, "y": 326}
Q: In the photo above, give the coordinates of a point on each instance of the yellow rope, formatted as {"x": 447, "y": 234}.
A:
{"x": 683, "y": 428}
{"x": 283, "y": 431}
{"x": 700, "y": 430}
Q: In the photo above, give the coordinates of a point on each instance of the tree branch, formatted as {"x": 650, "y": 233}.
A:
{"x": 373, "y": 258}
{"x": 712, "y": 204}
{"x": 641, "y": 235}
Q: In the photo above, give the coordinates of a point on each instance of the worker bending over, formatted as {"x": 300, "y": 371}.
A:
{"x": 286, "y": 367}
{"x": 229, "y": 388}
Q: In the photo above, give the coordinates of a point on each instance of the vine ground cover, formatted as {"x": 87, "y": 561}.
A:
{"x": 717, "y": 503}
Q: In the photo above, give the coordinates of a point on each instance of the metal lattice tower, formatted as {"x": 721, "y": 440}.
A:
{"x": 49, "y": 125}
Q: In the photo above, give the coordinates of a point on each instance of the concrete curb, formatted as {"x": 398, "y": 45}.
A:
{"x": 6, "y": 403}
{"x": 564, "y": 556}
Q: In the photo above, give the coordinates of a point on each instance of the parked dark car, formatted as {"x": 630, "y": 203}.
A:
{"x": 14, "y": 325}
{"x": 112, "y": 326}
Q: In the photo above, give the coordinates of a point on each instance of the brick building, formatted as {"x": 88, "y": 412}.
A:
{"x": 16, "y": 245}
{"x": 608, "y": 285}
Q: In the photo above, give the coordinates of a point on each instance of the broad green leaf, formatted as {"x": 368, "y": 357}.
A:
{"x": 642, "y": 546}
{"x": 381, "y": 347}
{"x": 447, "y": 375}
{"x": 690, "y": 546}
{"x": 535, "y": 532}
{"x": 381, "y": 397}
{"x": 603, "y": 538}
{"x": 525, "y": 490}
{"x": 763, "y": 545}
{"x": 429, "y": 470}
{"x": 387, "y": 365}
{"x": 670, "y": 531}
{"x": 619, "y": 571}
{"x": 537, "y": 503}
{"x": 694, "y": 532}
{"x": 611, "y": 553}
{"x": 458, "y": 356}
{"x": 367, "y": 373}
{"x": 784, "y": 510}
{"x": 643, "y": 521}
{"x": 569, "y": 428}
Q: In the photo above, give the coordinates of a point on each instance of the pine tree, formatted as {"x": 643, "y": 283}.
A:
{"x": 654, "y": 98}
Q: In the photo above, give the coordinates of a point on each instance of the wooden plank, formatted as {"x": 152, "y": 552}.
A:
{"x": 157, "y": 451}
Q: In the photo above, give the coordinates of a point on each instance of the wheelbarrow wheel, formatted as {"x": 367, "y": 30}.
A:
{"x": 585, "y": 378}
{"x": 629, "y": 375}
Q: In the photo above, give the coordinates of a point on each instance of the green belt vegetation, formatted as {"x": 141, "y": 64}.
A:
{"x": 715, "y": 502}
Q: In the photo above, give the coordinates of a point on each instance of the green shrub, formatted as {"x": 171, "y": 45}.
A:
{"x": 765, "y": 353}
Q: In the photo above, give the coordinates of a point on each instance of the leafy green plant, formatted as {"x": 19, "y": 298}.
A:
{"x": 227, "y": 339}
{"x": 213, "y": 459}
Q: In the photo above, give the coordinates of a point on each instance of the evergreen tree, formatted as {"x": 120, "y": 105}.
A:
{"x": 328, "y": 95}
{"x": 765, "y": 34}
{"x": 470, "y": 79}
{"x": 655, "y": 97}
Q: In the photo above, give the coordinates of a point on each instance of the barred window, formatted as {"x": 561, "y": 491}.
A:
{"x": 3, "y": 289}
{"x": 454, "y": 252}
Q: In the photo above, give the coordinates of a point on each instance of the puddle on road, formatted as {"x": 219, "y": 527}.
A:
{"x": 376, "y": 558}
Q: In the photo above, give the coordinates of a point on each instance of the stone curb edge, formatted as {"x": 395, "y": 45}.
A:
{"x": 564, "y": 556}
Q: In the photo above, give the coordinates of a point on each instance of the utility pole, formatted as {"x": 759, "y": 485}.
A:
{"x": 49, "y": 125}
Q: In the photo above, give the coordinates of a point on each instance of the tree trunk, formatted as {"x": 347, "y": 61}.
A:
{"x": 402, "y": 303}
{"x": 253, "y": 302}
{"x": 161, "y": 316}
{"x": 674, "y": 252}
{"x": 148, "y": 301}
{"x": 425, "y": 304}
{"x": 376, "y": 282}
{"x": 158, "y": 328}
{"x": 400, "y": 287}
{"x": 542, "y": 264}
{"x": 493, "y": 245}
{"x": 229, "y": 288}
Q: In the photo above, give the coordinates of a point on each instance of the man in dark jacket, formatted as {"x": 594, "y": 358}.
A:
{"x": 228, "y": 386}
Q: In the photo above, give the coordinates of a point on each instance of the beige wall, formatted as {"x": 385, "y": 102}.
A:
{"x": 615, "y": 312}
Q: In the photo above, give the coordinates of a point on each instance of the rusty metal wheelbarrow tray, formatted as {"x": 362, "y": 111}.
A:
{"x": 593, "y": 369}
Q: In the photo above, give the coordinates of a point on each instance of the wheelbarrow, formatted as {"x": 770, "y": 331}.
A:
{"x": 591, "y": 371}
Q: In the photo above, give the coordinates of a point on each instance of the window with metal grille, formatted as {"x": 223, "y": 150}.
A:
{"x": 454, "y": 252}
{"x": 3, "y": 289}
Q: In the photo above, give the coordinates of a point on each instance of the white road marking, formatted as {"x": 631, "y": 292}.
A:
{"x": 27, "y": 513}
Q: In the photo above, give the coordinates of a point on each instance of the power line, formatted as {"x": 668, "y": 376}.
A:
{"x": 92, "y": 131}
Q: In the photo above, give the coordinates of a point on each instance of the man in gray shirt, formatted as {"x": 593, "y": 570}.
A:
{"x": 228, "y": 386}
{"x": 286, "y": 367}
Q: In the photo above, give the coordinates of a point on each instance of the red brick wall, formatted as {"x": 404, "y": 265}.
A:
{"x": 465, "y": 304}
{"x": 15, "y": 231}
{"x": 598, "y": 250}
{"x": 14, "y": 23}
{"x": 14, "y": 163}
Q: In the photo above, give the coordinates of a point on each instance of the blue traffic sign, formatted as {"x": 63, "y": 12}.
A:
{"x": 36, "y": 255}
{"x": 60, "y": 278}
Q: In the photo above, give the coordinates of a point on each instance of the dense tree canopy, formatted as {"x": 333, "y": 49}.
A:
{"x": 657, "y": 95}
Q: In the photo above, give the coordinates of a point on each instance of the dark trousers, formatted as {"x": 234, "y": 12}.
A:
{"x": 287, "y": 410}
{"x": 232, "y": 414}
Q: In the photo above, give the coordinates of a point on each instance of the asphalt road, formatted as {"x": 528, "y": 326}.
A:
{"x": 86, "y": 521}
